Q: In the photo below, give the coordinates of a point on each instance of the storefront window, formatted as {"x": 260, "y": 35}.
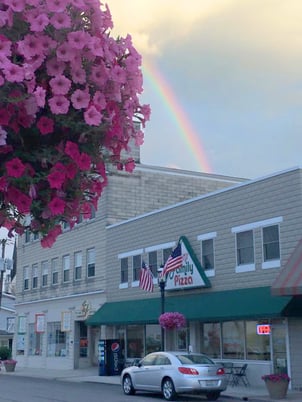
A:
{"x": 153, "y": 341}
{"x": 210, "y": 340}
{"x": 257, "y": 345}
{"x": 233, "y": 339}
{"x": 57, "y": 341}
{"x": 35, "y": 341}
{"x": 135, "y": 338}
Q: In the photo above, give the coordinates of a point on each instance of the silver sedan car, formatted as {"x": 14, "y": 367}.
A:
{"x": 173, "y": 373}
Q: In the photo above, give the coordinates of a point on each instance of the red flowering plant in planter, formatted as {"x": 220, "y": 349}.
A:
{"x": 68, "y": 105}
{"x": 172, "y": 320}
{"x": 276, "y": 377}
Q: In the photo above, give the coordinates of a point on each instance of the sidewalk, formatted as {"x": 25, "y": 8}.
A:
{"x": 91, "y": 375}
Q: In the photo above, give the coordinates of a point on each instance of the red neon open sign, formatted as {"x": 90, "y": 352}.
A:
{"x": 263, "y": 329}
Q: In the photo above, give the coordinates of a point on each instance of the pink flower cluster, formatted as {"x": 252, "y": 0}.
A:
{"x": 172, "y": 320}
{"x": 276, "y": 377}
{"x": 69, "y": 104}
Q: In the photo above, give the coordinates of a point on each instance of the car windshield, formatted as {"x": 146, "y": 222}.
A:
{"x": 196, "y": 359}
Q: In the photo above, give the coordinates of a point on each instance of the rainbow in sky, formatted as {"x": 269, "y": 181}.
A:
{"x": 184, "y": 127}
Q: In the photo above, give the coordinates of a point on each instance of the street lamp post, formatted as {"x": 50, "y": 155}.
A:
{"x": 162, "y": 286}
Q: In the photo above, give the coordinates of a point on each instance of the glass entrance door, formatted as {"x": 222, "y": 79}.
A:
{"x": 279, "y": 350}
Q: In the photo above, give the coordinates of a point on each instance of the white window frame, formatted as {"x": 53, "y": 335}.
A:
{"x": 26, "y": 278}
{"x": 35, "y": 276}
{"x": 276, "y": 263}
{"x": 201, "y": 238}
{"x": 44, "y": 269}
{"x": 66, "y": 267}
{"x": 78, "y": 264}
{"x": 249, "y": 266}
{"x": 54, "y": 270}
{"x": 90, "y": 261}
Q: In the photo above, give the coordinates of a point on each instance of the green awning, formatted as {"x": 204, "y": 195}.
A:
{"x": 253, "y": 303}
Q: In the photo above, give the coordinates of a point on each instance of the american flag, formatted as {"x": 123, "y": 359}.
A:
{"x": 173, "y": 262}
{"x": 146, "y": 278}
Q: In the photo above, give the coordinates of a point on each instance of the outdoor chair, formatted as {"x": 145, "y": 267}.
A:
{"x": 239, "y": 375}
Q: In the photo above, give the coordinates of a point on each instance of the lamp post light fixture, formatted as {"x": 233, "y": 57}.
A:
{"x": 162, "y": 286}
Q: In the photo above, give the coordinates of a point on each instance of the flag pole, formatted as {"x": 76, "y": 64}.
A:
{"x": 162, "y": 286}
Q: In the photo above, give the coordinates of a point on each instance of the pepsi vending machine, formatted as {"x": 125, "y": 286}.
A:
{"x": 110, "y": 357}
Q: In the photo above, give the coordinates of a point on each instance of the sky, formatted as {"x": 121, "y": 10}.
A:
{"x": 224, "y": 82}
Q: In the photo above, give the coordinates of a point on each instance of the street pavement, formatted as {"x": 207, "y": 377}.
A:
{"x": 91, "y": 375}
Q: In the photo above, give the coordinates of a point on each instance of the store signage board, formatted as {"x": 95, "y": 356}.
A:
{"x": 263, "y": 329}
{"x": 190, "y": 274}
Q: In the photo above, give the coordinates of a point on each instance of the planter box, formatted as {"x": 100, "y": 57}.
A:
{"x": 9, "y": 367}
{"x": 277, "y": 389}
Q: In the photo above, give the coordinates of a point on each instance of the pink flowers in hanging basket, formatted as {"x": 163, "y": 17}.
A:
{"x": 172, "y": 320}
{"x": 69, "y": 107}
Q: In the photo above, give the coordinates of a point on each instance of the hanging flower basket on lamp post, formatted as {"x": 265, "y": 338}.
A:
{"x": 172, "y": 320}
{"x": 69, "y": 104}
{"x": 277, "y": 385}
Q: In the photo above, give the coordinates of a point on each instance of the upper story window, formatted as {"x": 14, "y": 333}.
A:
{"x": 124, "y": 270}
{"x": 166, "y": 253}
{"x": 66, "y": 268}
{"x": 207, "y": 254}
{"x": 245, "y": 250}
{"x": 153, "y": 265}
{"x": 271, "y": 246}
{"x": 26, "y": 278}
{"x": 90, "y": 262}
{"x": 136, "y": 267}
{"x": 55, "y": 271}
{"x": 78, "y": 265}
{"x": 44, "y": 267}
{"x": 35, "y": 276}
{"x": 27, "y": 236}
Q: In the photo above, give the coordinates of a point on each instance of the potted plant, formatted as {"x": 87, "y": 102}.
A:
{"x": 276, "y": 384}
{"x": 172, "y": 320}
{"x": 6, "y": 360}
{"x": 9, "y": 364}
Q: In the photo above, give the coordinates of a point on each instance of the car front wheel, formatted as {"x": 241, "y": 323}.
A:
{"x": 168, "y": 389}
{"x": 128, "y": 386}
{"x": 213, "y": 396}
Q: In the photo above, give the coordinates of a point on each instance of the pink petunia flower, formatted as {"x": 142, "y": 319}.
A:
{"x": 15, "y": 168}
{"x": 78, "y": 75}
{"x": 50, "y": 238}
{"x": 92, "y": 116}
{"x": 45, "y": 125}
{"x": 56, "y": 206}
{"x": 40, "y": 94}
{"x": 16, "y": 5}
{"x": 56, "y": 179}
{"x": 77, "y": 39}
{"x": 72, "y": 150}
{"x": 60, "y": 85}
{"x": 56, "y": 6}
{"x": 30, "y": 46}
{"x": 22, "y": 201}
{"x": 55, "y": 67}
{"x": 39, "y": 23}
{"x": 84, "y": 162}
{"x": 60, "y": 20}
{"x": 5, "y": 46}
{"x": 59, "y": 104}
{"x": 14, "y": 73}
{"x": 65, "y": 53}
{"x": 80, "y": 98}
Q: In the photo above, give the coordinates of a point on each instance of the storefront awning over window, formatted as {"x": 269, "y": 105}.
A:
{"x": 289, "y": 281}
{"x": 238, "y": 304}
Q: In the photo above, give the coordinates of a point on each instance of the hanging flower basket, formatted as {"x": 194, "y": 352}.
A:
{"x": 277, "y": 385}
{"x": 172, "y": 320}
{"x": 68, "y": 105}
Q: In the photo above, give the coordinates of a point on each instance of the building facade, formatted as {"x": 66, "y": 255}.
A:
{"x": 57, "y": 289}
{"x": 242, "y": 243}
